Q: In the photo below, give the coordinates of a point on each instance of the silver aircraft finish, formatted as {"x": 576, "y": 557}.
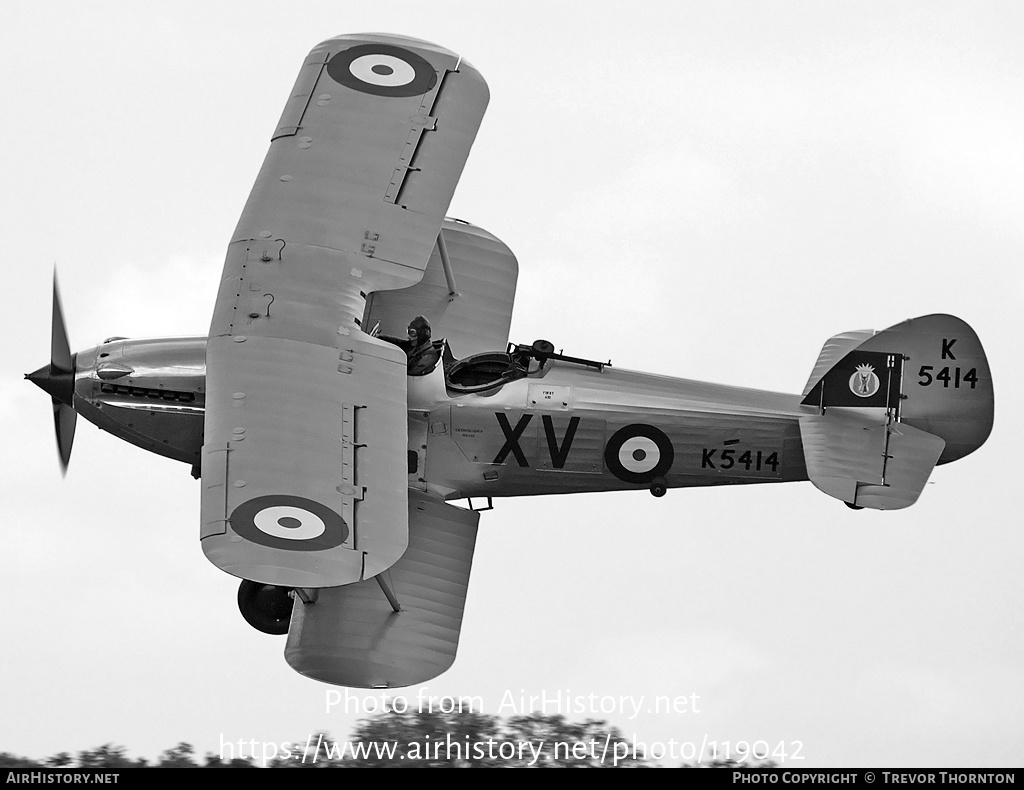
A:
{"x": 547, "y": 432}
{"x": 326, "y": 472}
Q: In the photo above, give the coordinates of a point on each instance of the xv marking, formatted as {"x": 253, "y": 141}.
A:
{"x": 559, "y": 452}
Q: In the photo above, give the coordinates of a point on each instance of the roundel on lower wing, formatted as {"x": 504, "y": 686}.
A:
{"x": 639, "y": 453}
{"x": 289, "y": 522}
{"x": 383, "y": 70}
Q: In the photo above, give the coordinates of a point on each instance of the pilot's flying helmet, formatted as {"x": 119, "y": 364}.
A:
{"x": 422, "y": 327}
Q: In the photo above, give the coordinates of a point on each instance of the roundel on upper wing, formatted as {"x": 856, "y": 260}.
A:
{"x": 639, "y": 453}
{"x": 289, "y": 522}
{"x": 383, "y": 70}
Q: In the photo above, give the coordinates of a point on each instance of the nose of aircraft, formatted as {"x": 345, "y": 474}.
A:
{"x": 58, "y": 384}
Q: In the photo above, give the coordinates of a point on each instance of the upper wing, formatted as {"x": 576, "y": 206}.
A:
{"x": 477, "y": 317}
{"x": 304, "y": 461}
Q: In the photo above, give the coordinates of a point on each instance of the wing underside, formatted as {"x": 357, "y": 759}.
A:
{"x": 304, "y": 479}
{"x": 477, "y": 316}
{"x": 352, "y": 636}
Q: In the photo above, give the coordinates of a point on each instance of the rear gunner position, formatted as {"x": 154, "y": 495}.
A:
{"x": 328, "y": 456}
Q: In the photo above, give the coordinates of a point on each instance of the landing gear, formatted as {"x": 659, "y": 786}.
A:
{"x": 265, "y": 607}
{"x": 659, "y": 486}
{"x": 853, "y": 506}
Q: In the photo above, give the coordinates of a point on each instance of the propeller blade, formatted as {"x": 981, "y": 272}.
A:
{"x": 64, "y": 419}
{"x": 60, "y": 351}
{"x": 58, "y": 380}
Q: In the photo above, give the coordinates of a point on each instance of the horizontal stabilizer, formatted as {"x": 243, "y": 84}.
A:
{"x": 351, "y": 635}
{"x": 866, "y": 463}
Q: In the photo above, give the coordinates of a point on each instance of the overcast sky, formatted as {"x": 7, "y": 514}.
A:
{"x": 703, "y": 190}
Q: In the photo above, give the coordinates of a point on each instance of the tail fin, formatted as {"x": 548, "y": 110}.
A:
{"x": 891, "y": 405}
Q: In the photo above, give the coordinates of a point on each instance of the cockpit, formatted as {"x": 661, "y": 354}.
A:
{"x": 482, "y": 372}
{"x": 493, "y": 369}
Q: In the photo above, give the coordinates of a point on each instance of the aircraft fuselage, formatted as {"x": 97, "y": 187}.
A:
{"x": 565, "y": 428}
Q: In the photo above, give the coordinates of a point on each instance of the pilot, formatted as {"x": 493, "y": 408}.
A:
{"x": 421, "y": 352}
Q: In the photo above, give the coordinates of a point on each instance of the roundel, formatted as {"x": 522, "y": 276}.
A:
{"x": 639, "y": 453}
{"x": 289, "y": 522}
{"x": 383, "y": 70}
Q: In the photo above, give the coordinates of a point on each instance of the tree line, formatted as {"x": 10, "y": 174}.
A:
{"x": 408, "y": 740}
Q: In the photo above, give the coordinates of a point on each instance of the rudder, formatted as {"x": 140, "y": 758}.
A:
{"x": 892, "y": 404}
{"x": 947, "y": 385}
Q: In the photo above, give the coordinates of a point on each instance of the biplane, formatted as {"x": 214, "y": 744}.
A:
{"x": 328, "y": 473}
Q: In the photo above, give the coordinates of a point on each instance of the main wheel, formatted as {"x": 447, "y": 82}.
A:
{"x": 265, "y": 607}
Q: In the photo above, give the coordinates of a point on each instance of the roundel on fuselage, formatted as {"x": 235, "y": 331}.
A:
{"x": 639, "y": 453}
{"x": 289, "y": 522}
{"x": 383, "y": 70}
